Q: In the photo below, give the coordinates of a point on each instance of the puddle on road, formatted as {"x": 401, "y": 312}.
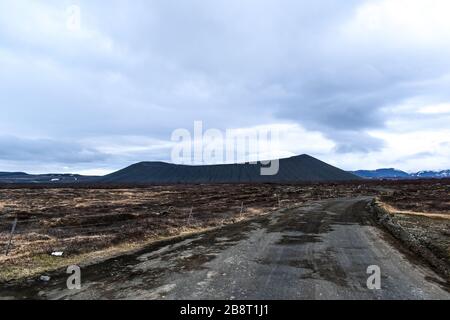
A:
{"x": 322, "y": 266}
{"x": 315, "y": 220}
{"x": 298, "y": 239}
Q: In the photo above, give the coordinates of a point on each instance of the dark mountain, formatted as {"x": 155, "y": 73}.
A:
{"x": 295, "y": 169}
{"x": 13, "y": 174}
{"x": 397, "y": 174}
{"x": 21, "y": 177}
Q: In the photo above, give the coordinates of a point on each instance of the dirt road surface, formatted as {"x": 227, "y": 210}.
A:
{"x": 320, "y": 250}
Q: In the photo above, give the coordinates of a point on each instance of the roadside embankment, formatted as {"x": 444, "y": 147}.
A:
{"x": 427, "y": 237}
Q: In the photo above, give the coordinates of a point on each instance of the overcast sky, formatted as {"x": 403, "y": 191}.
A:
{"x": 358, "y": 84}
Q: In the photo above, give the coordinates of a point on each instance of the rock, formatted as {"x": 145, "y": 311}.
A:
{"x": 45, "y": 278}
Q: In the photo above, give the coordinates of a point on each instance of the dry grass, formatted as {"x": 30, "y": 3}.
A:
{"x": 38, "y": 263}
{"x": 431, "y": 215}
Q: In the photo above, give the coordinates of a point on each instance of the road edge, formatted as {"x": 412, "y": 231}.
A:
{"x": 387, "y": 219}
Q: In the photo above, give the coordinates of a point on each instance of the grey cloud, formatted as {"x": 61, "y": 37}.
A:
{"x": 354, "y": 141}
{"x": 41, "y": 150}
{"x": 418, "y": 155}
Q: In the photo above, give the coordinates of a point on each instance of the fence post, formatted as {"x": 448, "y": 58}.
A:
{"x": 242, "y": 209}
{"x": 11, "y": 236}
{"x": 190, "y": 216}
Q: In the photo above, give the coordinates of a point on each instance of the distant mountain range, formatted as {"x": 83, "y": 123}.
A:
{"x": 22, "y": 177}
{"x": 398, "y": 174}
